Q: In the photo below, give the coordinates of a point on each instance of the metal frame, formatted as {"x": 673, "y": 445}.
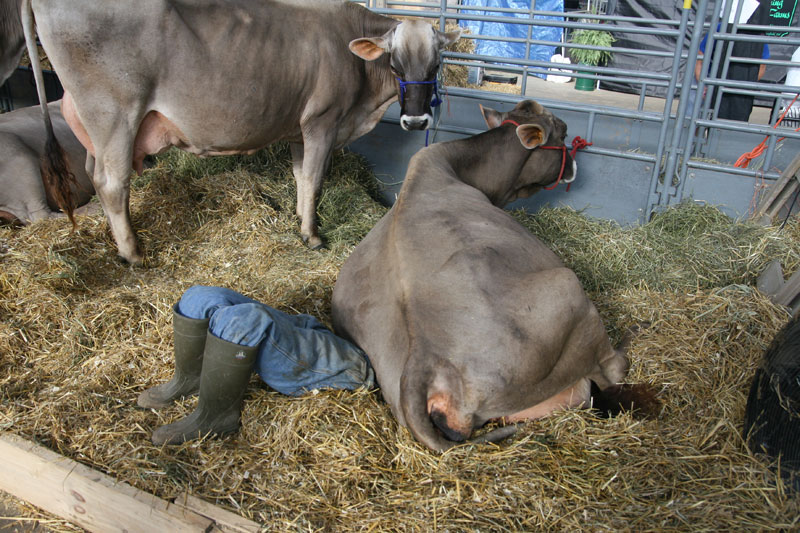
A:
{"x": 691, "y": 146}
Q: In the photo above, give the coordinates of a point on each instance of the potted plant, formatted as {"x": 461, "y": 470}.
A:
{"x": 588, "y": 56}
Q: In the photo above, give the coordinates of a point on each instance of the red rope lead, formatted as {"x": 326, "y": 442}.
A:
{"x": 577, "y": 144}
{"x": 744, "y": 159}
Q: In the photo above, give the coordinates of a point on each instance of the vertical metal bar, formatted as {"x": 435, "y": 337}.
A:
{"x": 528, "y": 45}
{"x": 642, "y": 97}
{"x": 437, "y": 111}
{"x": 656, "y": 188}
{"x": 725, "y": 51}
{"x": 709, "y": 68}
{"x": 681, "y": 125}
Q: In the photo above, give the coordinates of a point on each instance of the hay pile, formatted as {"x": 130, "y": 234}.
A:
{"x": 81, "y": 335}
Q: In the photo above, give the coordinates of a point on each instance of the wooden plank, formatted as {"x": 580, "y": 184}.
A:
{"x": 780, "y": 192}
{"x": 86, "y": 497}
{"x": 225, "y": 521}
{"x": 789, "y": 291}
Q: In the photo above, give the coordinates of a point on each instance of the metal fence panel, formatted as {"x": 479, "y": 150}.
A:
{"x": 671, "y": 134}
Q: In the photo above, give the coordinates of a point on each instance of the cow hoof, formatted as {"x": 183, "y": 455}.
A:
{"x": 315, "y": 243}
{"x": 134, "y": 261}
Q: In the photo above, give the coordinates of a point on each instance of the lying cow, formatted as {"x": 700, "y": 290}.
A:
{"x": 229, "y": 76}
{"x": 464, "y": 314}
{"x": 24, "y": 197}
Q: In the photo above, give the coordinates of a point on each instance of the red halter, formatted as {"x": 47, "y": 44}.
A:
{"x": 577, "y": 144}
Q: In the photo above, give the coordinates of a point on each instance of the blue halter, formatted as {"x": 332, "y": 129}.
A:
{"x": 436, "y": 100}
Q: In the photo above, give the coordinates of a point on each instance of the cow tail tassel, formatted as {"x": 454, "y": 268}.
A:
{"x": 639, "y": 399}
{"x": 57, "y": 178}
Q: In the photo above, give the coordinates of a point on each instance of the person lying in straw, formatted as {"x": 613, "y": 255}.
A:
{"x": 221, "y": 337}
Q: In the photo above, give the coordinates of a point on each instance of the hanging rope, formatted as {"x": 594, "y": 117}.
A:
{"x": 744, "y": 159}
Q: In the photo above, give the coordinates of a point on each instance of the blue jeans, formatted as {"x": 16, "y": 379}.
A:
{"x": 297, "y": 352}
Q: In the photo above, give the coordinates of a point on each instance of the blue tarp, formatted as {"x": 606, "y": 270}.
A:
{"x": 514, "y": 50}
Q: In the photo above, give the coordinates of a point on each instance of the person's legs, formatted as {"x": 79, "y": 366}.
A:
{"x": 226, "y": 371}
{"x": 201, "y": 301}
{"x": 190, "y": 318}
{"x": 189, "y": 340}
{"x": 297, "y": 353}
{"x": 291, "y": 353}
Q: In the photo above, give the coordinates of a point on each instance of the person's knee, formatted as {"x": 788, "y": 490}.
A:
{"x": 246, "y": 323}
{"x": 201, "y": 301}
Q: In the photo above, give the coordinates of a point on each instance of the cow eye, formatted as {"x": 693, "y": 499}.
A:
{"x": 395, "y": 71}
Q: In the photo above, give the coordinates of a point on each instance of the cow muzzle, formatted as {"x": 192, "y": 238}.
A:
{"x": 571, "y": 178}
{"x": 417, "y": 98}
{"x": 422, "y": 122}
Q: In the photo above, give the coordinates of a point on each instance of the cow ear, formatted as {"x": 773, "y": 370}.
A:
{"x": 493, "y": 118}
{"x": 369, "y": 48}
{"x": 531, "y": 135}
{"x": 446, "y": 39}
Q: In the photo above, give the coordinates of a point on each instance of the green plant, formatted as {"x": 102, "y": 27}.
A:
{"x": 588, "y": 56}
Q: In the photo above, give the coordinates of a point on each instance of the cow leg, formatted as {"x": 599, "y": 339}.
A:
{"x": 111, "y": 179}
{"x": 297, "y": 171}
{"x": 575, "y": 396}
{"x": 110, "y": 139}
{"x": 315, "y": 155}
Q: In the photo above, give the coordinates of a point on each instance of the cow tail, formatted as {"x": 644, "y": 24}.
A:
{"x": 638, "y": 399}
{"x": 56, "y": 176}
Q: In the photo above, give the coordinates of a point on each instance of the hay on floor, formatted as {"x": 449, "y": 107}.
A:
{"x": 81, "y": 335}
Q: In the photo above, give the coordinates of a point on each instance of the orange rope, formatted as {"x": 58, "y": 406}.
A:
{"x": 744, "y": 159}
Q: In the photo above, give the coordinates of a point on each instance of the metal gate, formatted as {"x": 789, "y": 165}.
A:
{"x": 667, "y": 146}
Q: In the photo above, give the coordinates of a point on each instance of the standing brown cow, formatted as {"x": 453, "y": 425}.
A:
{"x": 220, "y": 77}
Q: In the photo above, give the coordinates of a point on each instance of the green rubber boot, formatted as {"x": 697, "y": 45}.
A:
{"x": 189, "y": 336}
{"x": 226, "y": 371}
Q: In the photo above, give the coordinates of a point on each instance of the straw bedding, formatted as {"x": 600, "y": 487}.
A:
{"x": 81, "y": 335}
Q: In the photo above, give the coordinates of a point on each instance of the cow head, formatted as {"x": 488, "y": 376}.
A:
{"x": 413, "y": 47}
{"x": 543, "y": 134}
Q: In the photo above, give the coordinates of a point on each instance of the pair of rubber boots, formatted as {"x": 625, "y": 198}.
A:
{"x": 218, "y": 369}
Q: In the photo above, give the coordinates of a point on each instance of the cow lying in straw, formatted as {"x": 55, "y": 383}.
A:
{"x": 467, "y": 317}
{"x": 24, "y": 196}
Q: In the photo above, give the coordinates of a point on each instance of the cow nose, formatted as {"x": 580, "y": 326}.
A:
{"x": 415, "y": 123}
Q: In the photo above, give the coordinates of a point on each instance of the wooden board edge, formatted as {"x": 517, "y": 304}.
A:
{"x": 97, "y": 502}
{"x": 225, "y": 520}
